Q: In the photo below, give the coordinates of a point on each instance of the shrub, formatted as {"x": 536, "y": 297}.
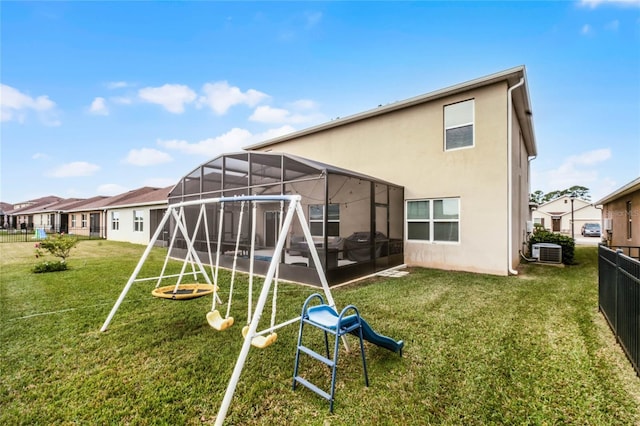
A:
{"x": 58, "y": 245}
{"x": 568, "y": 244}
{"x": 55, "y": 266}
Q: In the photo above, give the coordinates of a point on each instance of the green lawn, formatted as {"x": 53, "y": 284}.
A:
{"x": 479, "y": 349}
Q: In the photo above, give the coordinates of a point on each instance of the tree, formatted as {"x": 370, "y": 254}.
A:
{"x": 536, "y": 197}
{"x": 58, "y": 245}
{"x": 577, "y": 191}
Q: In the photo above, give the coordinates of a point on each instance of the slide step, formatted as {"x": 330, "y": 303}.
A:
{"x": 316, "y": 355}
{"x": 312, "y": 387}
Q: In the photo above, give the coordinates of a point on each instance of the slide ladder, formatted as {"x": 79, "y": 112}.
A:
{"x": 327, "y": 319}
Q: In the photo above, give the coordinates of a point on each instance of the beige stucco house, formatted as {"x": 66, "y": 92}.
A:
{"x": 621, "y": 217}
{"x": 462, "y": 154}
{"x": 556, "y": 215}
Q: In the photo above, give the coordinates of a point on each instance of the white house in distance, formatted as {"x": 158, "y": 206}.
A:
{"x": 135, "y": 215}
{"x": 555, "y": 215}
{"x": 462, "y": 155}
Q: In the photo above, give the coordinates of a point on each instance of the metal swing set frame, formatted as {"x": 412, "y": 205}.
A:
{"x": 176, "y": 211}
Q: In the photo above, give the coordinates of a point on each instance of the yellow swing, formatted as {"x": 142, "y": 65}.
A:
{"x": 260, "y": 340}
{"x": 214, "y": 318}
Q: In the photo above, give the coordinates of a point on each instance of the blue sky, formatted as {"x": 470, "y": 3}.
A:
{"x": 101, "y": 97}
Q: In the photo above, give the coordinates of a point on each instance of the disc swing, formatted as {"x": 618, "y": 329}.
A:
{"x": 214, "y": 318}
{"x": 181, "y": 291}
{"x": 260, "y": 340}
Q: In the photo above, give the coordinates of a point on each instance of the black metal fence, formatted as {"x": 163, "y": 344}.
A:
{"x": 29, "y": 234}
{"x": 619, "y": 299}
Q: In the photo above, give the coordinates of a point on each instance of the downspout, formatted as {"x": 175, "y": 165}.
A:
{"x": 510, "y": 176}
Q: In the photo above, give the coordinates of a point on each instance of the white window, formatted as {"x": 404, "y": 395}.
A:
{"x": 73, "y": 220}
{"x": 458, "y": 125}
{"x": 138, "y": 220}
{"x": 115, "y": 221}
{"x": 433, "y": 220}
{"x": 316, "y": 220}
{"x": 83, "y": 220}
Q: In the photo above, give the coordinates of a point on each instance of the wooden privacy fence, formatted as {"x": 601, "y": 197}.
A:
{"x": 619, "y": 299}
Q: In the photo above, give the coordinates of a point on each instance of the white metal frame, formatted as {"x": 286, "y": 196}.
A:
{"x": 177, "y": 212}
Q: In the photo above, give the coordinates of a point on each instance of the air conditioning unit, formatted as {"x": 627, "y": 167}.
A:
{"x": 547, "y": 252}
{"x": 607, "y": 224}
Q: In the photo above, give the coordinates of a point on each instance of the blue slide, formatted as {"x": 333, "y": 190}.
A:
{"x": 378, "y": 339}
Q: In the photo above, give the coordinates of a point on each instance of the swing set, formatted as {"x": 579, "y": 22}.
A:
{"x": 182, "y": 291}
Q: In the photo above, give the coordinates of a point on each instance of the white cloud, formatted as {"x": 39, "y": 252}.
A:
{"x": 613, "y": 25}
{"x": 111, "y": 189}
{"x": 172, "y": 97}
{"x": 267, "y": 114}
{"x": 578, "y": 169}
{"x": 273, "y": 133}
{"x": 74, "y": 169}
{"x": 117, "y": 85}
{"x": 99, "y": 107}
{"x": 123, "y": 100}
{"x": 147, "y": 157}
{"x": 595, "y": 3}
{"x": 39, "y": 156}
{"x": 232, "y": 141}
{"x": 14, "y": 106}
{"x": 586, "y": 29}
{"x": 303, "y": 104}
{"x": 313, "y": 18}
{"x": 219, "y": 96}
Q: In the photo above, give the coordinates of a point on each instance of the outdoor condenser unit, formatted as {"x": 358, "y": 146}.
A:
{"x": 547, "y": 252}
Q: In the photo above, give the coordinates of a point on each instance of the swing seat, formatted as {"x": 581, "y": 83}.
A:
{"x": 184, "y": 291}
{"x": 260, "y": 341}
{"x": 216, "y": 321}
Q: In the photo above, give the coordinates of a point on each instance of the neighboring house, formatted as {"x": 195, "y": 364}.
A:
{"x": 87, "y": 218}
{"x": 135, "y": 215}
{"x": 4, "y": 218}
{"x": 22, "y": 215}
{"x": 621, "y": 216}
{"x": 462, "y": 155}
{"x": 555, "y": 215}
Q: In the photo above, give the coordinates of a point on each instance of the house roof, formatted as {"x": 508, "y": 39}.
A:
{"x": 632, "y": 186}
{"x": 35, "y": 203}
{"x": 139, "y": 197}
{"x": 5, "y": 207}
{"x": 94, "y": 203}
{"x": 512, "y": 76}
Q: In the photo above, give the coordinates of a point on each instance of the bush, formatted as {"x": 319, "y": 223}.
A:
{"x": 55, "y": 266}
{"x": 568, "y": 244}
{"x": 58, "y": 245}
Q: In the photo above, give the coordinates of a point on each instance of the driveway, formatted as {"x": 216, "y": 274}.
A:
{"x": 587, "y": 241}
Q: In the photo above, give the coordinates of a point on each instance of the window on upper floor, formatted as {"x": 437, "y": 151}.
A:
{"x": 458, "y": 125}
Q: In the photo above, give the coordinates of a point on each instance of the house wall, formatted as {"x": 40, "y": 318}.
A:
{"x": 616, "y": 211}
{"x": 406, "y": 147}
{"x": 126, "y": 230}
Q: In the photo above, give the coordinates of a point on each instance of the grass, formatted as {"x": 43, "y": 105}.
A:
{"x": 531, "y": 349}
